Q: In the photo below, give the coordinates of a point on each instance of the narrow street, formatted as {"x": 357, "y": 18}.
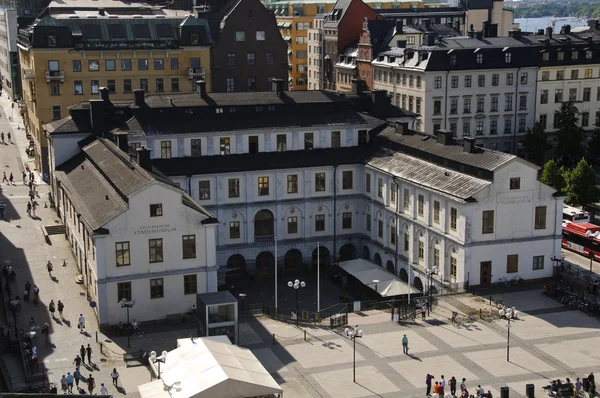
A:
{"x": 22, "y": 243}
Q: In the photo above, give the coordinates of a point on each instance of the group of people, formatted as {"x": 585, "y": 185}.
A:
{"x": 70, "y": 380}
{"x": 441, "y": 388}
{"x": 7, "y": 136}
{"x": 558, "y": 387}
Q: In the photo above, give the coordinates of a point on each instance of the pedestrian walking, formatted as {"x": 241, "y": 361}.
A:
{"x": 70, "y": 382}
{"x": 103, "y": 389}
{"x": 81, "y": 324}
{"x": 442, "y": 386}
{"x": 82, "y": 353}
{"x": 29, "y": 208}
{"x": 46, "y": 331}
{"x": 88, "y": 350}
{"x": 31, "y": 177}
{"x": 34, "y": 361}
{"x": 453, "y": 386}
{"x": 9, "y": 140}
{"x": 91, "y": 384}
{"x": 2, "y": 136}
{"x": 33, "y": 207}
{"x": 1, "y": 210}
{"x": 77, "y": 362}
{"x": 27, "y": 287}
{"x": 64, "y": 384}
{"x": 463, "y": 385}
{"x": 24, "y": 178}
{"x": 428, "y": 380}
{"x": 31, "y": 195}
{"x": 77, "y": 376}
{"x": 405, "y": 344}
{"x": 61, "y": 307}
{"x": 52, "y": 308}
{"x": 4, "y": 178}
{"x": 49, "y": 267}
{"x": 11, "y": 179}
{"x": 36, "y": 291}
{"x": 115, "y": 377}
{"x": 31, "y": 324}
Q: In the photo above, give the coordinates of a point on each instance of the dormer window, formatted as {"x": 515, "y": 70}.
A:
{"x": 51, "y": 39}
{"x": 453, "y": 60}
{"x": 479, "y": 58}
{"x": 508, "y": 58}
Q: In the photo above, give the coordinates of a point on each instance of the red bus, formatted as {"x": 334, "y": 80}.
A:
{"x": 582, "y": 238}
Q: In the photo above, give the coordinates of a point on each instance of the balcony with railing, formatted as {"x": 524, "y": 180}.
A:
{"x": 55, "y": 75}
{"x": 24, "y": 38}
{"x": 28, "y": 74}
{"x": 196, "y": 72}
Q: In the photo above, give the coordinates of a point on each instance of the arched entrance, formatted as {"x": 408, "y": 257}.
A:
{"x": 418, "y": 284}
{"x": 347, "y": 252}
{"x": 236, "y": 268}
{"x": 366, "y": 254}
{"x": 323, "y": 254}
{"x": 263, "y": 224}
{"x": 377, "y": 259}
{"x": 389, "y": 266}
{"x": 403, "y": 275}
{"x": 265, "y": 263}
{"x": 292, "y": 260}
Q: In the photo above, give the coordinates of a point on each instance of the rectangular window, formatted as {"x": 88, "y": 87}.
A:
{"x": 560, "y": 75}
{"x": 188, "y": 243}
{"x": 436, "y": 212}
{"x": 122, "y": 252}
{"x": 543, "y": 96}
{"x": 380, "y": 228}
{"x": 481, "y": 80}
{"x": 480, "y": 104}
{"x": 174, "y": 63}
{"x": 263, "y": 186}
{"x": 165, "y": 149}
{"x": 574, "y": 74}
{"x": 292, "y": 225}
{"x": 540, "y": 217}
{"x": 93, "y": 65}
{"x": 420, "y": 204}
{"x": 196, "y": 147}
{"x": 436, "y": 257}
{"x": 512, "y": 263}
{"x": 270, "y": 57}
{"x": 240, "y": 35}
{"x": 523, "y": 102}
{"x": 454, "y": 82}
{"x": 558, "y": 95}
{"x": 110, "y": 65}
{"x": 495, "y": 79}
{"x": 437, "y": 106}
{"x": 524, "y": 77}
{"x": 175, "y": 84}
{"x": 438, "y": 82}
{"x": 587, "y": 93}
{"x": 453, "y": 266}
{"x": 204, "y": 190}
{"x": 588, "y": 73}
{"x": 224, "y": 145}
{"x": 507, "y": 126}
{"x": 56, "y": 112}
{"x": 487, "y": 222}
{"x": 308, "y": 141}
{"x": 347, "y": 179}
{"x": 320, "y": 182}
{"x": 544, "y": 121}
{"x": 406, "y": 199}
{"x": 234, "y": 230}
{"x": 585, "y": 119}
{"x": 466, "y": 105}
{"x": 125, "y": 64}
{"x": 77, "y": 65}
{"x": 406, "y": 242}
{"x": 421, "y": 250}
{"x": 393, "y": 234}
{"x": 156, "y": 288}
{"x": 230, "y": 84}
{"x": 142, "y": 64}
{"x": 160, "y": 85}
{"x": 292, "y": 183}
{"x": 111, "y": 84}
{"x": 515, "y": 183}
{"x": 190, "y": 284}
{"x": 494, "y": 106}
{"x": 144, "y": 84}
{"x": 545, "y": 75}
{"x": 467, "y": 81}
{"x": 347, "y": 220}
{"x": 538, "y": 262}
{"x": 508, "y": 103}
{"x": 368, "y": 226}
{"x": 320, "y": 222}
{"x": 156, "y": 210}
{"x": 54, "y": 87}
{"x": 78, "y": 87}
{"x": 572, "y": 94}
{"x": 453, "y": 218}
{"x": 393, "y": 191}
{"x": 234, "y": 187}
{"x": 231, "y": 59}
{"x": 368, "y": 182}
{"x": 363, "y": 137}
{"x": 466, "y": 128}
{"x": 509, "y": 79}
{"x": 251, "y": 84}
{"x": 124, "y": 291}
{"x": 155, "y": 247}
{"x": 335, "y": 139}
{"x": 281, "y": 142}
{"x": 250, "y": 58}
{"x": 380, "y": 187}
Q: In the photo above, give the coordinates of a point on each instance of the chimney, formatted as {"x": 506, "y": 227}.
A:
{"x": 469, "y": 144}
{"x": 445, "y": 137}
{"x": 399, "y": 26}
{"x": 471, "y": 32}
{"x": 457, "y": 26}
{"x": 123, "y": 141}
{"x": 201, "y": 88}
{"x": 101, "y": 11}
{"x": 486, "y": 29}
{"x": 427, "y": 23}
{"x": 402, "y": 128}
{"x": 143, "y": 158}
{"x": 277, "y": 86}
{"x": 139, "y": 97}
{"x": 429, "y": 39}
{"x": 356, "y": 86}
{"x": 401, "y": 43}
{"x": 479, "y": 35}
{"x": 104, "y": 94}
{"x": 566, "y": 30}
{"x": 549, "y": 32}
{"x": 540, "y": 31}
{"x": 97, "y": 115}
{"x": 516, "y": 34}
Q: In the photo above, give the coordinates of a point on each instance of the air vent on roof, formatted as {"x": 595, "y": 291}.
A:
{"x": 92, "y": 16}
{"x": 137, "y": 16}
{"x": 73, "y": 16}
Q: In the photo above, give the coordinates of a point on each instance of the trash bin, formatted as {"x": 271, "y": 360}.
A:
{"x": 530, "y": 391}
{"x": 503, "y": 392}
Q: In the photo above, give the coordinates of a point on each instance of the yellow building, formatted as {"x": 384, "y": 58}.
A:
{"x": 66, "y": 58}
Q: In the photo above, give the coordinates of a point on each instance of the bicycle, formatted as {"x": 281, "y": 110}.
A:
{"x": 502, "y": 282}
{"x": 517, "y": 280}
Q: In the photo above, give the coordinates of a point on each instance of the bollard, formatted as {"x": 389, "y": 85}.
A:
{"x": 101, "y": 349}
{"x": 96, "y": 336}
{"x": 305, "y": 335}
{"x": 530, "y": 390}
{"x": 480, "y": 313}
{"x": 273, "y": 338}
{"x": 490, "y": 300}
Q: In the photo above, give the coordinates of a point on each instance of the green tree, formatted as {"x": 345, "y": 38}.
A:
{"x": 553, "y": 175}
{"x": 581, "y": 186}
{"x": 535, "y": 144}
{"x": 569, "y": 134}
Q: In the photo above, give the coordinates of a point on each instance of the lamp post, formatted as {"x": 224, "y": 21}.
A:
{"x": 296, "y": 285}
{"x": 159, "y": 360}
{"x": 318, "y": 278}
{"x": 354, "y": 333}
{"x": 242, "y": 297}
{"x": 127, "y": 304}
{"x": 275, "y": 239}
{"x": 430, "y": 272}
{"x": 508, "y": 318}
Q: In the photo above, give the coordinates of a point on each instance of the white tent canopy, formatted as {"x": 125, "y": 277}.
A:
{"x": 210, "y": 367}
{"x": 366, "y": 272}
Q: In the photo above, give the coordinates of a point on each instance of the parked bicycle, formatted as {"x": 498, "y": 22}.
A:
{"x": 503, "y": 282}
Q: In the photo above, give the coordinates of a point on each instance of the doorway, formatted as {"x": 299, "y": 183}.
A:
{"x": 485, "y": 273}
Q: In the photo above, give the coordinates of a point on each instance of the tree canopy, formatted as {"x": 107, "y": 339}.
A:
{"x": 569, "y": 134}
{"x": 581, "y": 186}
{"x": 535, "y": 144}
{"x": 581, "y": 9}
{"x": 552, "y": 175}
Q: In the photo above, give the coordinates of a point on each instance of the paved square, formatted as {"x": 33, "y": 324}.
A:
{"x": 519, "y": 387}
{"x": 293, "y": 388}
{"x": 416, "y": 370}
{"x": 248, "y": 335}
{"x": 322, "y": 353}
{"x": 390, "y": 344}
{"x": 521, "y": 362}
{"x": 553, "y": 325}
{"x": 269, "y": 360}
{"x": 369, "y": 382}
{"x": 477, "y": 334}
{"x": 575, "y": 353}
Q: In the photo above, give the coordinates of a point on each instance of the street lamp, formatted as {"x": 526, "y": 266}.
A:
{"x": 159, "y": 360}
{"x": 430, "y": 272}
{"x": 296, "y": 285}
{"x": 242, "y": 296}
{"x": 375, "y": 282}
{"x": 354, "y": 333}
{"x": 127, "y": 304}
{"x": 508, "y": 318}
